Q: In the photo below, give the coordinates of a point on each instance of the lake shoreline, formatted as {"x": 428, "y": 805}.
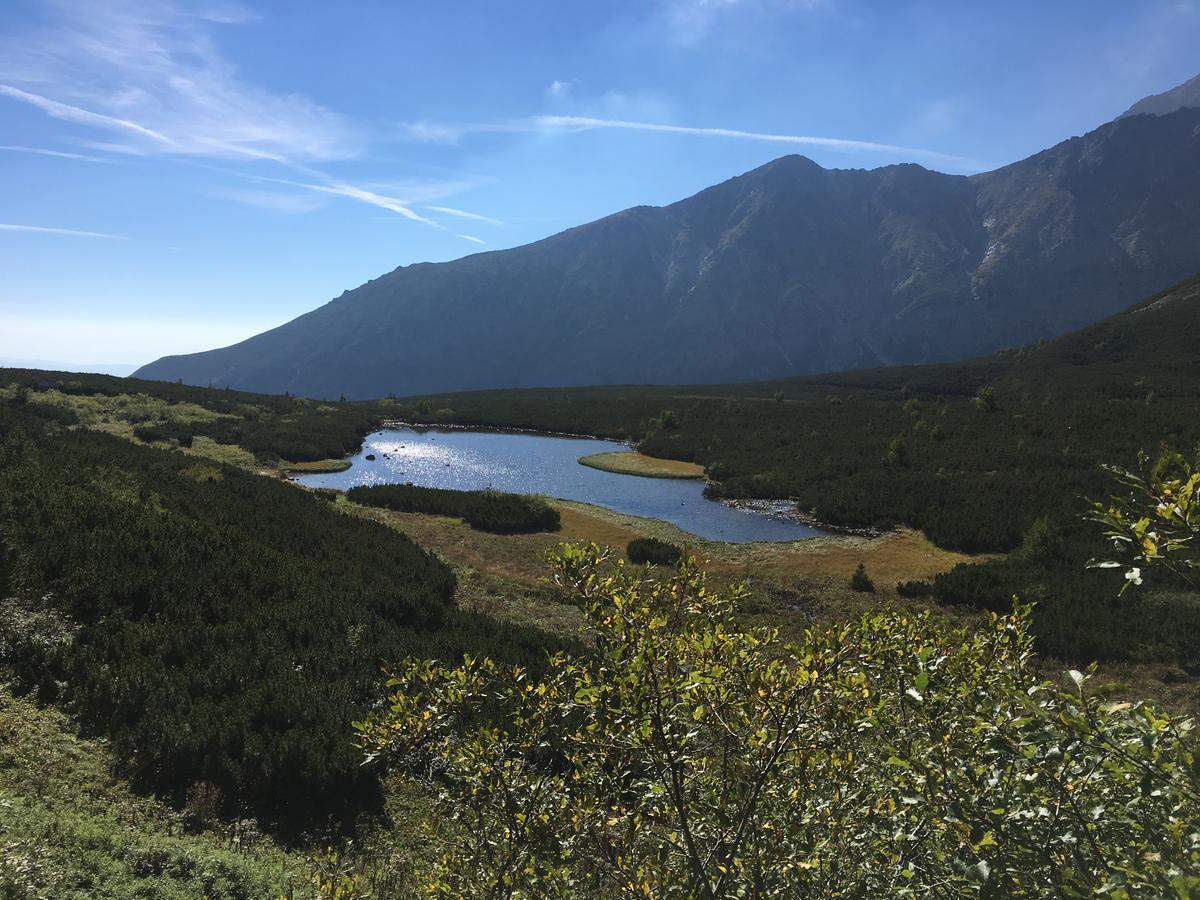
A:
{"x": 497, "y": 429}
{"x": 524, "y": 461}
{"x": 777, "y": 509}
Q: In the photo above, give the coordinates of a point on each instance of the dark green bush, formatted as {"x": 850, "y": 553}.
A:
{"x": 217, "y": 630}
{"x": 978, "y": 586}
{"x": 846, "y": 744}
{"x": 653, "y": 551}
{"x": 1077, "y": 616}
{"x": 166, "y": 431}
{"x": 914, "y": 589}
{"x": 1043, "y": 543}
{"x": 483, "y": 510}
{"x": 860, "y": 581}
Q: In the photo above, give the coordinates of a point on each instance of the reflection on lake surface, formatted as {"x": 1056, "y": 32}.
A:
{"x": 549, "y": 465}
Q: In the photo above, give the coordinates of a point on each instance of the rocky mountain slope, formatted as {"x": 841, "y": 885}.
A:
{"x": 787, "y": 269}
{"x": 1185, "y": 95}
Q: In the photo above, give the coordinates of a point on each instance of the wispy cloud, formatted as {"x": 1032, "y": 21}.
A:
{"x": 690, "y": 20}
{"x": 560, "y": 90}
{"x": 62, "y": 154}
{"x": 555, "y": 124}
{"x": 433, "y": 132}
{"x": 452, "y": 132}
{"x": 69, "y": 232}
{"x": 471, "y": 238}
{"x": 463, "y": 214}
{"x": 149, "y": 75}
{"x": 332, "y": 187}
{"x": 276, "y": 201}
{"x": 393, "y": 204}
{"x": 69, "y": 113}
{"x": 840, "y": 145}
{"x": 150, "y": 71}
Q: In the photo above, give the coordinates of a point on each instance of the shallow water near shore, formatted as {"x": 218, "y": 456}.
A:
{"x": 524, "y": 463}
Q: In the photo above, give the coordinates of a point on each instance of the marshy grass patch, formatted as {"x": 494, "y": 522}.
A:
{"x": 318, "y": 467}
{"x": 635, "y": 463}
{"x": 901, "y": 555}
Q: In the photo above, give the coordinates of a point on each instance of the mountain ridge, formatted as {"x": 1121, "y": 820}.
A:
{"x": 786, "y": 269}
{"x": 1169, "y": 101}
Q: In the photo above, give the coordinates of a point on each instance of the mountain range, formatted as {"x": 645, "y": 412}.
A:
{"x": 788, "y": 269}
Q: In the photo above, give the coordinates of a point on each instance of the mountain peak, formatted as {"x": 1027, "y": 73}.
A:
{"x": 787, "y": 269}
{"x": 1177, "y": 98}
{"x": 792, "y": 164}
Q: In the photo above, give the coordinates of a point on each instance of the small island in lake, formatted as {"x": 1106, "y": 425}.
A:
{"x": 634, "y": 463}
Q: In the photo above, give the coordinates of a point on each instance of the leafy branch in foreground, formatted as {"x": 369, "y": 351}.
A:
{"x": 690, "y": 756}
{"x": 1156, "y": 521}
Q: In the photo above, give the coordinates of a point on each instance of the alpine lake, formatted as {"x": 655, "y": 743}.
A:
{"x": 548, "y": 465}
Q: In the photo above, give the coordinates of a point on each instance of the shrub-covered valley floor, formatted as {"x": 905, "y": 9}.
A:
{"x": 186, "y": 639}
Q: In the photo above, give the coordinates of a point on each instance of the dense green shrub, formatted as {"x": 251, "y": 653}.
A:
{"x": 484, "y": 510}
{"x": 223, "y": 627}
{"x": 182, "y": 433}
{"x": 691, "y": 756}
{"x": 654, "y": 551}
{"x": 978, "y": 586}
{"x": 860, "y": 581}
{"x": 1042, "y": 543}
{"x": 914, "y": 589}
{"x": 1077, "y": 615}
{"x": 291, "y": 428}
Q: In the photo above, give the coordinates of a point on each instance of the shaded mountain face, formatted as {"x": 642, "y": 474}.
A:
{"x": 787, "y": 269}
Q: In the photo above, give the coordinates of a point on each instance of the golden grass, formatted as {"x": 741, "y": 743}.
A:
{"x": 634, "y": 463}
{"x": 795, "y": 584}
{"x": 901, "y": 555}
{"x": 318, "y": 467}
{"x": 607, "y": 527}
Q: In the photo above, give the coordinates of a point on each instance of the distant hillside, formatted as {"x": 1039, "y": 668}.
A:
{"x": 119, "y": 370}
{"x": 787, "y": 269}
{"x": 1152, "y": 346}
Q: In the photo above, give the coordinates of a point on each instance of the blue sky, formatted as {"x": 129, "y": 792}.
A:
{"x": 176, "y": 176}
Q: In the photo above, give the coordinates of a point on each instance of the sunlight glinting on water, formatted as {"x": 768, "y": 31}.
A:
{"x": 548, "y": 465}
